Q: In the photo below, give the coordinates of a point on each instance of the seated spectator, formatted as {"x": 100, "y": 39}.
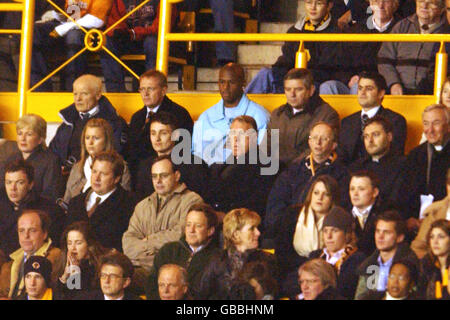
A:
{"x": 445, "y": 93}
{"x": 424, "y": 178}
{"x": 163, "y": 134}
{"x": 211, "y": 128}
{"x": 138, "y": 33}
{"x": 158, "y": 218}
{"x": 240, "y": 182}
{"x": 435, "y": 266}
{"x": 115, "y": 273}
{"x": 19, "y": 195}
{"x": 317, "y": 280}
{"x": 294, "y": 119}
{"x": 366, "y": 206}
{"x": 371, "y": 91}
{"x": 390, "y": 232}
{"x": 80, "y": 257}
{"x": 292, "y": 184}
{"x": 106, "y": 206}
{"x": 88, "y": 103}
{"x": 401, "y": 283}
{"x": 339, "y": 252}
{"x": 37, "y": 271}
{"x": 380, "y": 158}
{"x": 31, "y": 132}
{"x": 405, "y": 65}
{"x": 329, "y": 60}
{"x": 32, "y": 227}
{"x": 97, "y": 136}
{"x": 241, "y": 234}
{"x": 172, "y": 283}
{"x": 257, "y": 277}
{"x": 55, "y": 28}
{"x": 363, "y": 55}
{"x": 193, "y": 251}
{"x": 300, "y": 230}
{"x": 436, "y": 211}
{"x": 153, "y": 89}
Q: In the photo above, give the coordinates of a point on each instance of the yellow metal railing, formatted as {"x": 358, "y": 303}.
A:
{"x": 165, "y": 37}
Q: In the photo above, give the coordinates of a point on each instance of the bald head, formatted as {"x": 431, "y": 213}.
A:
{"x": 231, "y": 84}
{"x": 87, "y": 90}
{"x": 236, "y": 70}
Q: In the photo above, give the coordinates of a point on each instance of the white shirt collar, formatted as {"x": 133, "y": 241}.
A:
{"x": 356, "y": 212}
{"x": 448, "y": 213}
{"x": 92, "y": 112}
{"x": 154, "y": 109}
{"x": 389, "y": 297}
{"x": 381, "y": 29}
{"x": 94, "y": 195}
{"x": 108, "y": 298}
{"x": 87, "y": 173}
{"x": 371, "y": 113}
{"x": 196, "y": 250}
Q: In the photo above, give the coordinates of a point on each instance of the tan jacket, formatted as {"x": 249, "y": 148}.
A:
{"x": 436, "y": 211}
{"x": 9, "y": 274}
{"x": 77, "y": 180}
{"x": 150, "y": 229}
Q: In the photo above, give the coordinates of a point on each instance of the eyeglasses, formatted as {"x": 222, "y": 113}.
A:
{"x": 111, "y": 276}
{"x": 318, "y": 138}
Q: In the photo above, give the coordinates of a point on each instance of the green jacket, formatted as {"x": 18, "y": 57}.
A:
{"x": 179, "y": 252}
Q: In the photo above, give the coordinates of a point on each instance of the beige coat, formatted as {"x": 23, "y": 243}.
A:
{"x": 436, "y": 211}
{"x": 77, "y": 180}
{"x": 150, "y": 229}
{"x": 9, "y": 274}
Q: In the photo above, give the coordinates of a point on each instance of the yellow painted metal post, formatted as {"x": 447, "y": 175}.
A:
{"x": 26, "y": 43}
{"x": 165, "y": 13}
{"x": 301, "y": 59}
{"x": 440, "y": 72}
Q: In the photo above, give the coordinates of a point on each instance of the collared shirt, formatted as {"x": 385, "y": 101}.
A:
{"x": 361, "y": 216}
{"x": 295, "y": 111}
{"x": 381, "y": 29}
{"x": 383, "y": 273}
{"x": 94, "y": 196}
{"x": 154, "y": 110}
{"x": 448, "y": 213}
{"x": 87, "y": 173}
{"x": 332, "y": 259}
{"x": 194, "y": 251}
{"x": 91, "y": 112}
{"x": 389, "y": 297}
{"x": 371, "y": 113}
{"x": 108, "y": 298}
{"x": 212, "y": 127}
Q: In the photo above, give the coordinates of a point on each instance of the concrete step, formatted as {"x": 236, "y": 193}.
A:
{"x": 258, "y": 54}
{"x": 274, "y": 27}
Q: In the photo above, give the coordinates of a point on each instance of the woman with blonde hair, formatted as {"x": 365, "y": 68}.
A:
{"x": 97, "y": 136}
{"x": 300, "y": 230}
{"x": 241, "y": 236}
{"x": 31, "y": 133}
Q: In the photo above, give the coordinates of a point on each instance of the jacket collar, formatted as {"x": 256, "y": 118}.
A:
{"x": 70, "y": 114}
{"x": 42, "y": 251}
{"x": 219, "y": 108}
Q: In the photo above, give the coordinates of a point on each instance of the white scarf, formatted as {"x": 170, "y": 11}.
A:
{"x": 308, "y": 238}
{"x": 87, "y": 173}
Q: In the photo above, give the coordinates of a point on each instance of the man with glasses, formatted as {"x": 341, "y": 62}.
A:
{"x": 371, "y": 91}
{"x": 116, "y": 271}
{"x": 405, "y": 65}
{"x": 158, "y": 218}
{"x": 153, "y": 89}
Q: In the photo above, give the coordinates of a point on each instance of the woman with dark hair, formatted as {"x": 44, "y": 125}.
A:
{"x": 434, "y": 267}
{"x": 97, "y": 136}
{"x": 80, "y": 260}
{"x": 300, "y": 230}
{"x": 241, "y": 235}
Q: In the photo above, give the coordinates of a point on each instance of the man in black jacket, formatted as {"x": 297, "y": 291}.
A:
{"x": 88, "y": 103}
{"x": 371, "y": 91}
{"x": 153, "y": 89}
{"x": 192, "y": 251}
{"x": 17, "y": 196}
{"x": 106, "y": 206}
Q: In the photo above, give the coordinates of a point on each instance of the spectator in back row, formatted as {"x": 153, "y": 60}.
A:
{"x": 304, "y": 107}
{"x": 88, "y": 103}
{"x": 19, "y": 195}
{"x": 153, "y": 89}
{"x": 31, "y": 133}
{"x": 371, "y": 91}
{"x": 211, "y": 128}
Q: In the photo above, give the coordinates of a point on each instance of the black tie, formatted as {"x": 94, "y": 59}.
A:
{"x": 364, "y": 119}
{"x": 84, "y": 116}
{"x": 425, "y": 27}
